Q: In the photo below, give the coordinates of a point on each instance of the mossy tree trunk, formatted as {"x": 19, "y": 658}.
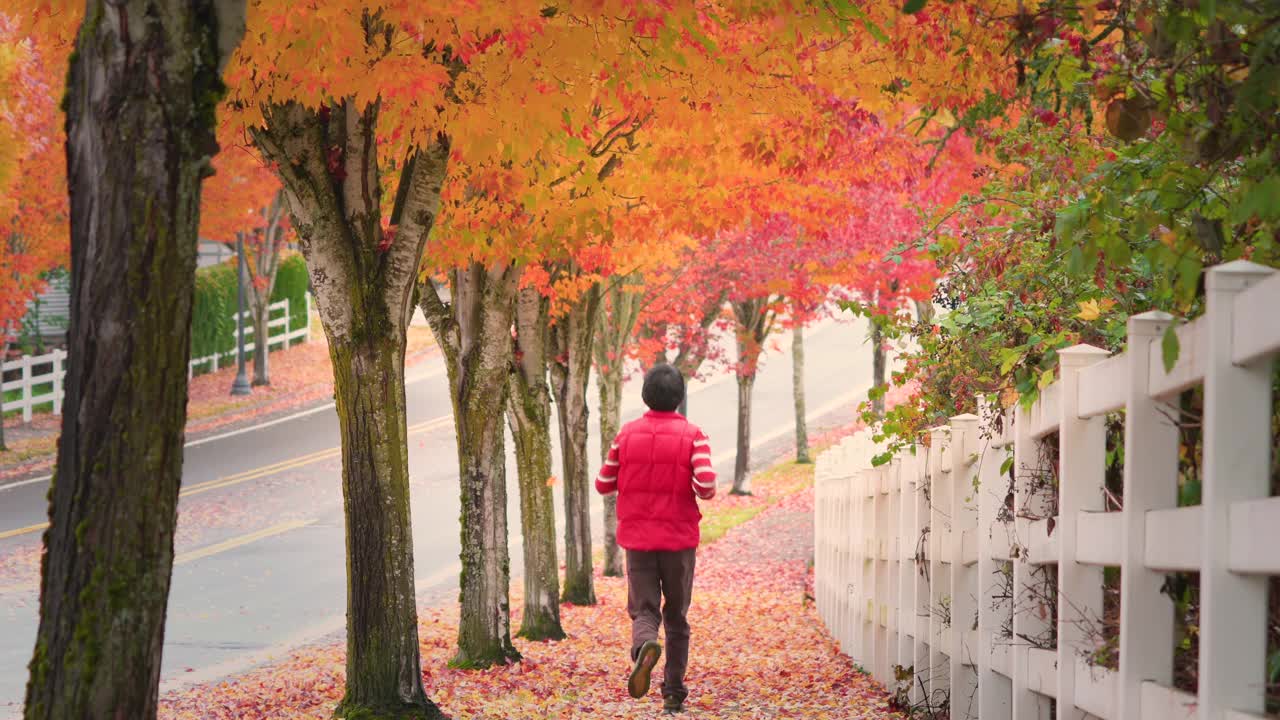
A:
{"x": 474, "y": 330}
{"x": 570, "y": 372}
{"x": 529, "y": 415}
{"x": 364, "y": 288}
{"x": 754, "y": 320}
{"x": 797, "y": 384}
{"x": 143, "y": 86}
{"x": 620, "y": 308}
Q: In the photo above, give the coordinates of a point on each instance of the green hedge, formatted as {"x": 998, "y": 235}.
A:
{"x": 213, "y": 325}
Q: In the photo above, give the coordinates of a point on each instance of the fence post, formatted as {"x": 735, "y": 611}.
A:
{"x": 1081, "y": 478}
{"x": 288, "y": 321}
{"x": 939, "y": 578}
{"x": 844, "y": 587}
{"x": 1027, "y": 461}
{"x": 994, "y": 702}
{"x": 892, "y": 587}
{"x": 880, "y": 572}
{"x": 58, "y": 357}
{"x": 863, "y": 487}
{"x": 1150, "y": 483}
{"x": 307, "y": 296}
{"x": 1237, "y": 454}
{"x": 919, "y": 549}
{"x": 27, "y": 392}
{"x": 964, "y": 679}
{"x": 907, "y": 534}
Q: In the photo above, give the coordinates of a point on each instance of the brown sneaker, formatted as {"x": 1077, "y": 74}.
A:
{"x": 672, "y": 705}
{"x": 646, "y": 658}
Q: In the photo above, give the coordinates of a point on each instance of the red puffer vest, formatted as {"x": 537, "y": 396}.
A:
{"x": 656, "y": 505}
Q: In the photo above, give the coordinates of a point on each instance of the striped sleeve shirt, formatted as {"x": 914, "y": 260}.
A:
{"x": 704, "y": 477}
{"x": 607, "y": 480}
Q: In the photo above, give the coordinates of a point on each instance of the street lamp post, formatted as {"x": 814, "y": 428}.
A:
{"x": 241, "y": 384}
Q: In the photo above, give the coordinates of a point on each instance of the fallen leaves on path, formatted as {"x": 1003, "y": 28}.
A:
{"x": 758, "y": 650}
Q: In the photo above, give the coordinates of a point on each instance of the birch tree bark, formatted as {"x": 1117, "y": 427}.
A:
{"x": 570, "y": 372}
{"x": 474, "y": 330}
{"x": 143, "y": 87}
{"x": 364, "y": 288}
{"x": 529, "y": 416}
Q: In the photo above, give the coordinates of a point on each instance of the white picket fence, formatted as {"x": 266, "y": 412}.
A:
{"x": 913, "y": 557}
{"x": 46, "y": 386}
{"x": 275, "y": 323}
{"x": 37, "y": 389}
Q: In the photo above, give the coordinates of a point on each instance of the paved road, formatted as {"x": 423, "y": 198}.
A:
{"x": 260, "y": 565}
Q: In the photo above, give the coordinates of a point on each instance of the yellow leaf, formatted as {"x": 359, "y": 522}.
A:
{"x": 1089, "y": 310}
{"x": 1008, "y": 397}
{"x": 551, "y": 481}
{"x": 1046, "y": 379}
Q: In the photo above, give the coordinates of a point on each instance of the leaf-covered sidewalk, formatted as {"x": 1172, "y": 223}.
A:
{"x": 758, "y": 650}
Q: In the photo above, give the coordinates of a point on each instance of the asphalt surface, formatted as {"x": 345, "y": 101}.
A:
{"x": 260, "y": 567}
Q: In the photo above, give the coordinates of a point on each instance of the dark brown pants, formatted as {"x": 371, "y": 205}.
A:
{"x": 659, "y": 586}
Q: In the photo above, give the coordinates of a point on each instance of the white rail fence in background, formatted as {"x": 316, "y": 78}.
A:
{"x": 914, "y": 558}
{"x": 278, "y": 333}
{"x": 45, "y": 387}
{"x": 36, "y": 388}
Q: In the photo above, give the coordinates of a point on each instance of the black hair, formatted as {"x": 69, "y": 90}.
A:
{"x": 663, "y": 388}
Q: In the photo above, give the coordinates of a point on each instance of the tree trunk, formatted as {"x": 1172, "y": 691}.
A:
{"x": 617, "y": 316}
{"x": 363, "y": 291}
{"x": 529, "y": 415}
{"x": 261, "y": 339}
{"x": 797, "y": 383}
{"x": 570, "y": 371}
{"x": 383, "y": 659}
{"x": 475, "y": 333}
{"x": 877, "y": 367}
{"x": 741, "y": 465}
{"x": 142, "y": 90}
{"x": 754, "y": 318}
{"x": 610, "y": 382}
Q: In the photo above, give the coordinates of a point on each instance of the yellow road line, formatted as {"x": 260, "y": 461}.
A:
{"x": 235, "y": 542}
{"x": 256, "y": 473}
{"x": 23, "y": 530}
{"x": 297, "y": 462}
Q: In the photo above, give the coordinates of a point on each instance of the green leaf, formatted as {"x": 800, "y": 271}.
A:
{"x": 1075, "y": 260}
{"x": 1261, "y": 199}
{"x": 912, "y": 7}
{"x": 1006, "y": 465}
{"x": 882, "y": 458}
{"x": 1169, "y": 347}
